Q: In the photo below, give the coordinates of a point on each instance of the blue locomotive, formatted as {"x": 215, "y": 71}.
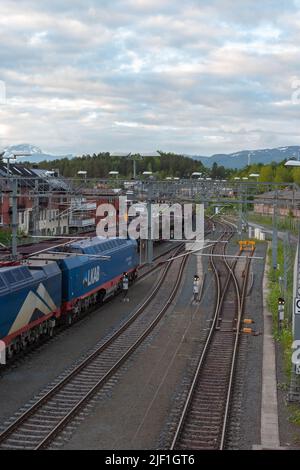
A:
{"x": 60, "y": 286}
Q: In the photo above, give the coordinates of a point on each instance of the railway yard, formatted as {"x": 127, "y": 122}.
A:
{"x": 150, "y": 232}
{"x": 161, "y": 371}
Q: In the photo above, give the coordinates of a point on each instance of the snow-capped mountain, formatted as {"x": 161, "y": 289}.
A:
{"x": 241, "y": 159}
{"x": 34, "y": 154}
{"x": 29, "y": 153}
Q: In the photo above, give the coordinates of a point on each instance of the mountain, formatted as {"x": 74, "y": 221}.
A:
{"x": 31, "y": 153}
{"x": 240, "y": 159}
{"x": 230, "y": 160}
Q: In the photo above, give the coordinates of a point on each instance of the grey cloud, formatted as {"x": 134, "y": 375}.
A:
{"x": 194, "y": 76}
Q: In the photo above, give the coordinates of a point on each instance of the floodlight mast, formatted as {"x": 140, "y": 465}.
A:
{"x": 82, "y": 173}
{"x": 254, "y": 175}
{"x": 292, "y": 163}
{"x": 114, "y": 173}
{"x": 12, "y": 155}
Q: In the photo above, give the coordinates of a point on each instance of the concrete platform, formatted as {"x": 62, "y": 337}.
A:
{"x": 269, "y": 405}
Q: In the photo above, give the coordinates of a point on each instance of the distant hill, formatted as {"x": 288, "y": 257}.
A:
{"x": 232, "y": 160}
{"x": 240, "y": 159}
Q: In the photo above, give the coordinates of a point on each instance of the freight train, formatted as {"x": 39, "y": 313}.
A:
{"x": 58, "y": 287}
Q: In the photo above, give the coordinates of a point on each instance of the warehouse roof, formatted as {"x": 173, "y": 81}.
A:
{"x": 53, "y": 181}
{"x": 26, "y": 176}
{"x": 15, "y": 169}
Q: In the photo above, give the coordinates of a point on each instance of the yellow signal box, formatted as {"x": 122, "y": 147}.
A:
{"x": 247, "y": 245}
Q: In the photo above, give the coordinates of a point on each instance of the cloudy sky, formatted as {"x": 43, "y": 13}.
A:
{"x": 199, "y": 77}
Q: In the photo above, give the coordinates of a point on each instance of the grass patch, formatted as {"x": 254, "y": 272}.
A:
{"x": 283, "y": 223}
{"x": 284, "y": 336}
{"x": 5, "y": 236}
{"x": 294, "y": 414}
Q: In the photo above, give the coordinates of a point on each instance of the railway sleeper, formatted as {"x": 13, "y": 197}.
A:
{"x": 16, "y": 446}
{"x": 197, "y": 445}
{"x": 213, "y": 417}
{"x": 199, "y": 427}
{"x": 25, "y": 438}
{"x": 33, "y": 433}
{"x": 32, "y": 427}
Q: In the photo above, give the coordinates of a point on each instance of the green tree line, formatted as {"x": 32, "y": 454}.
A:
{"x": 272, "y": 172}
{"x": 166, "y": 164}
{"x": 163, "y": 165}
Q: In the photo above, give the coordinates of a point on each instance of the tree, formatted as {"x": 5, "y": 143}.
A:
{"x": 296, "y": 175}
{"x": 266, "y": 174}
{"x": 282, "y": 175}
{"x": 218, "y": 172}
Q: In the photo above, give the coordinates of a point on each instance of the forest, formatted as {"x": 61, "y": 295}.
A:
{"x": 165, "y": 164}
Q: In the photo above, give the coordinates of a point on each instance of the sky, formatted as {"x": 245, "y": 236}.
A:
{"x": 195, "y": 77}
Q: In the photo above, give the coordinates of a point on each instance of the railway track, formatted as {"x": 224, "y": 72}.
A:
{"x": 204, "y": 418}
{"x": 42, "y": 422}
{"x": 158, "y": 261}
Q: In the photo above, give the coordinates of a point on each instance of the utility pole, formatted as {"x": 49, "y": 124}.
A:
{"x": 246, "y": 205}
{"x": 35, "y": 209}
{"x": 286, "y": 270}
{"x": 240, "y": 196}
{"x": 149, "y": 239}
{"x": 14, "y": 224}
{"x": 275, "y": 234}
{"x": 134, "y": 168}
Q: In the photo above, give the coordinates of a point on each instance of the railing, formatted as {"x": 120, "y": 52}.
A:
{"x": 86, "y": 206}
{"x": 81, "y": 222}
